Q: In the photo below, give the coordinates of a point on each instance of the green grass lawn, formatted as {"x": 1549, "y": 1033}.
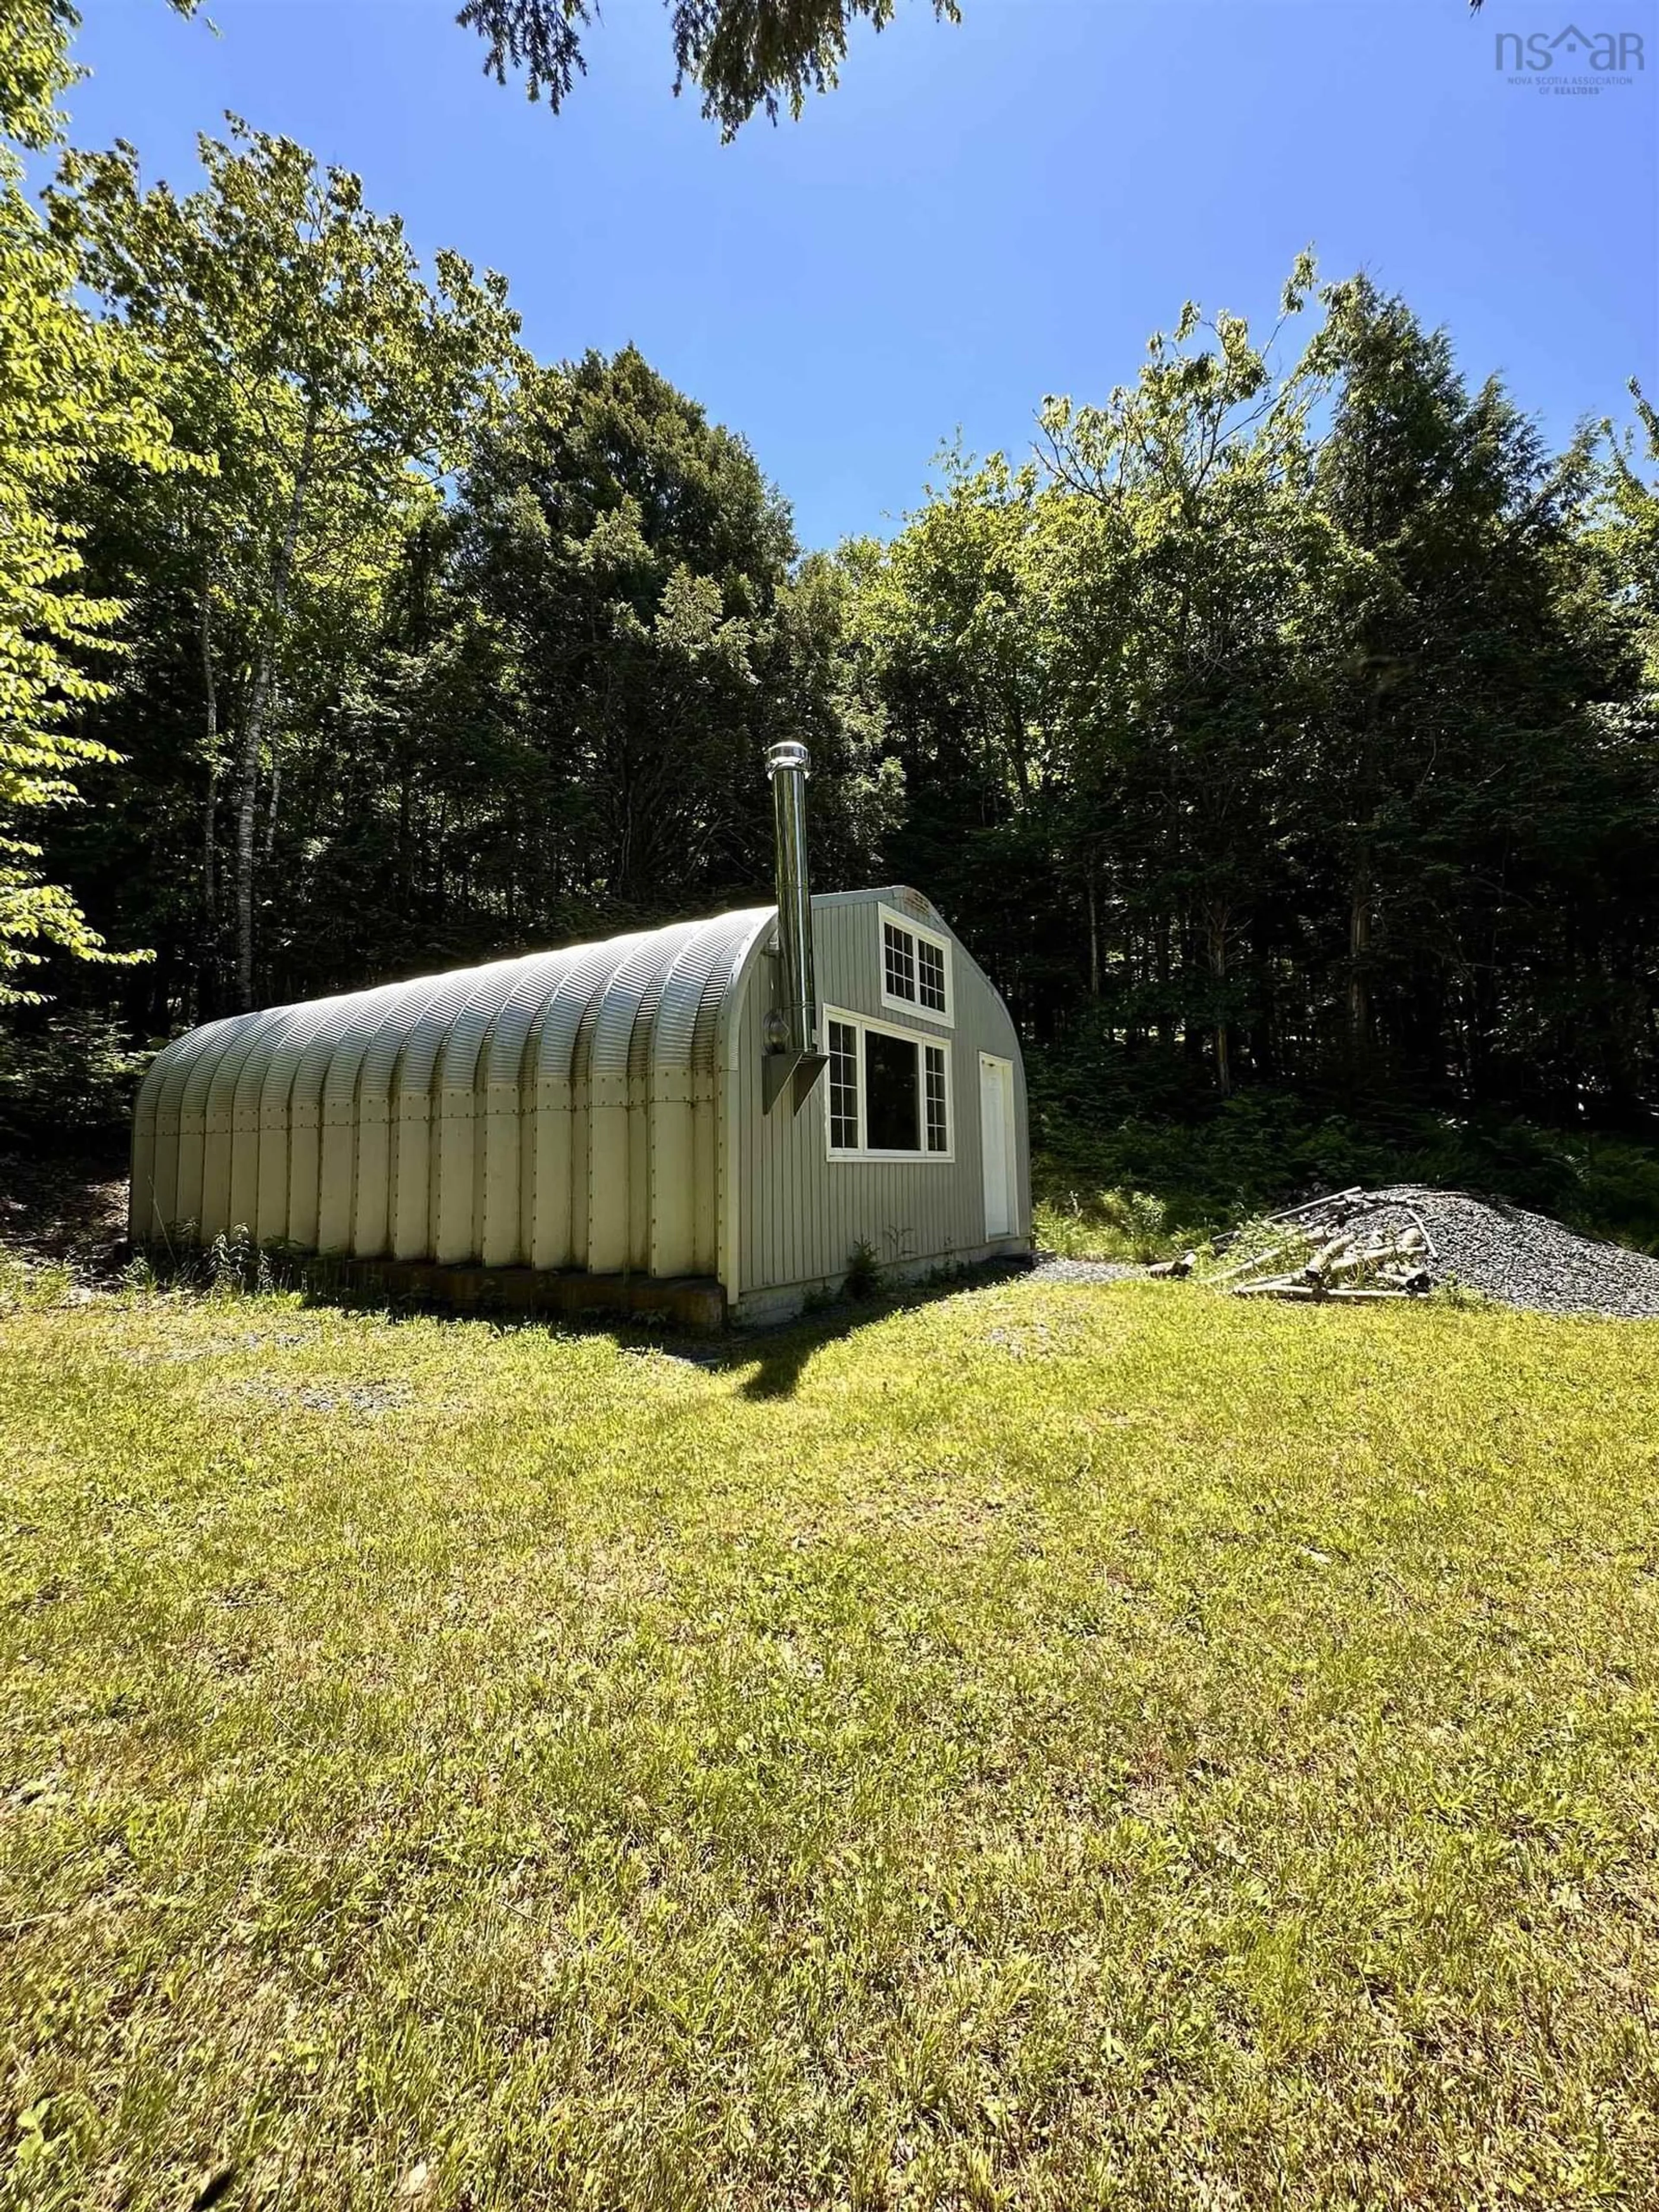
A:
{"x": 1046, "y": 1747}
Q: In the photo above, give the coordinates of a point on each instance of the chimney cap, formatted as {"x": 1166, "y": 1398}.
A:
{"x": 788, "y": 753}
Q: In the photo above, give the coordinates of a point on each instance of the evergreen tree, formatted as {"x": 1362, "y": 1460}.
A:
{"x": 741, "y": 54}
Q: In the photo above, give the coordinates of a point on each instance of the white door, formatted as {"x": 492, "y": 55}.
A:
{"x": 996, "y": 1138}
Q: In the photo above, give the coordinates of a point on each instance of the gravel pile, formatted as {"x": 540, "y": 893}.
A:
{"x": 1519, "y": 1258}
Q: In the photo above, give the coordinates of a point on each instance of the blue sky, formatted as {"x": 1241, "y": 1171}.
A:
{"x": 979, "y": 214}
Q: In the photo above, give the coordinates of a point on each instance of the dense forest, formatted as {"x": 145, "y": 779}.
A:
{"x": 1287, "y": 717}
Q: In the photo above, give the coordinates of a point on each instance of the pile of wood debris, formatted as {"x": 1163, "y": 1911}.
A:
{"x": 1351, "y": 1245}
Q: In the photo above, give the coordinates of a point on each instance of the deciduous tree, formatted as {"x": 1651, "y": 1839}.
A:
{"x": 75, "y": 395}
{"x": 308, "y": 356}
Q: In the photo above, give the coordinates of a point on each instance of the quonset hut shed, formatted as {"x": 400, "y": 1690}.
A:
{"x": 673, "y": 1120}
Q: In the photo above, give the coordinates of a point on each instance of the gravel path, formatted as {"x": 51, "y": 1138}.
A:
{"x": 1522, "y": 1259}
{"x": 1051, "y": 1268}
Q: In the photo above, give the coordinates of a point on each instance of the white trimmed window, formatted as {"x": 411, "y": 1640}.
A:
{"x": 843, "y": 1087}
{"x": 915, "y": 968}
{"x": 888, "y": 1095}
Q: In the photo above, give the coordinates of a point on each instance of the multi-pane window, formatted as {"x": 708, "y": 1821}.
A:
{"x": 915, "y": 968}
{"x": 899, "y": 954}
{"x": 939, "y": 1127}
{"x": 887, "y": 1091}
{"x": 843, "y": 1087}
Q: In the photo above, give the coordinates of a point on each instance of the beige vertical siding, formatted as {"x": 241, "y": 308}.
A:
{"x": 802, "y": 1212}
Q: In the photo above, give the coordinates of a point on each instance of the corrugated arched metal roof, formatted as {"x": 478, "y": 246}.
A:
{"x": 554, "y": 1110}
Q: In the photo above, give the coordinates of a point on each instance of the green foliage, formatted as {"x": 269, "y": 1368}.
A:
{"x": 629, "y": 557}
{"x": 329, "y": 388}
{"x": 35, "y": 70}
{"x": 31, "y": 1285}
{"x": 1286, "y": 727}
{"x": 1294, "y": 712}
{"x": 1214, "y": 1170}
{"x": 526, "y": 714}
{"x": 74, "y": 1070}
{"x": 77, "y": 395}
{"x": 741, "y": 54}
{"x": 863, "y": 1277}
{"x": 1042, "y": 1748}
{"x": 234, "y": 1265}
{"x": 1077, "y": 1218}
{"x": 1629, "y": 531}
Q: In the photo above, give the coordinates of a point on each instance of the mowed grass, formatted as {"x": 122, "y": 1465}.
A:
{"x": 1051, "y": 1746}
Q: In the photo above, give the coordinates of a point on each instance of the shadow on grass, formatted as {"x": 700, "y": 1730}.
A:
{"x": 776, "y": 1353}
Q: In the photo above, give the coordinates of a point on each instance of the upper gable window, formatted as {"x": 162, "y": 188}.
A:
{"x": 898, "y": 962}
{"x": 915, "y": 968}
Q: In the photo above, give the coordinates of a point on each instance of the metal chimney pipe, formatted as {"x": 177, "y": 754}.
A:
{"x": 788, "y": 766}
